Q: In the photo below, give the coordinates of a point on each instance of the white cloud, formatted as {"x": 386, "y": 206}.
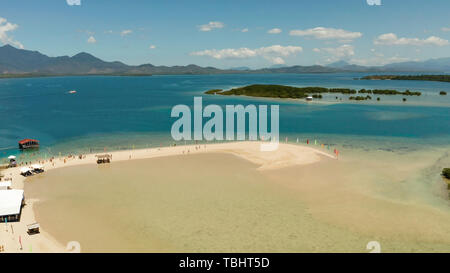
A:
{"x": 152, "y": 47}
{"x": 276, "y": 60}
{"x": 244, "y": 30}
{"x": 73, "y": 2}
{"x": 6, "y": 27}
{"x": 337, "y": 53}
{"x": 91, "y": 40}
{"x": 272, "y": 53}
{"x": 274, "y": 31}
{"x": 392, "y": 39}
{"x": 323, "y": 33}
{"x": 445, "y": 29}
{"x": 126, "y": 32}
{"x": 280, "y": 50}
{"x": 86, "y": 31}
{"x": 376, "y": 53}
{"x": 109, "y": 31}
{"x": 210, "y": 26}
{"x": 229, "y": 53}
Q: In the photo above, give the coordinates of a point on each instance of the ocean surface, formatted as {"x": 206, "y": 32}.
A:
{"x": 110, "y": 113}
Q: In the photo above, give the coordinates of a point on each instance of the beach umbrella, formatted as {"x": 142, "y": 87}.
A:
{"x": 12, "y": 157}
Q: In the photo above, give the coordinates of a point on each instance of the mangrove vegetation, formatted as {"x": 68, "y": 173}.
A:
{"x": 436, "y": 78}
{"x": 283, "y": 91}
{"x": 446, "y": 173}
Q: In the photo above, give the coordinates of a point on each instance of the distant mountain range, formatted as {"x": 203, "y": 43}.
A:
{"x": 16, "y": 62}
{"x": 441, "y": 65}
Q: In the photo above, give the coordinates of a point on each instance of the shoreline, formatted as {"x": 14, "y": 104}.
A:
{"x": 325, "y": 102}
{"x": 328, "y": 102}
{"x": 287, "y": 155}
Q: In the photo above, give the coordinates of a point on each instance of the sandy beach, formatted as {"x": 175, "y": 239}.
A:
{"x": 231, "y": 197}
{"x": 287, "y": 155}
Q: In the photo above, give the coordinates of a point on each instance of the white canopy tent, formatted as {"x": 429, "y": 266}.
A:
{"x": 25, "y": 169}
{"x": 10, "y": 203}
{"x": 12, "y": 157}
{"x": 37, "y": 166}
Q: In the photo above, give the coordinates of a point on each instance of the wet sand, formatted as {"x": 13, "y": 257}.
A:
{"x": 219, "y": 202}
{"x": 207, "y": 202}
{"x": 286, "y": 155}
{"x": 397, "y": 200}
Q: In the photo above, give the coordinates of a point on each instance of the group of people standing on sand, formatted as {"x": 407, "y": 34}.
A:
{"x": 70, "y": 157}
{"x": 336, "y": 151}
{"x": 52, "y": 160}
{"x": 196, "y": 147}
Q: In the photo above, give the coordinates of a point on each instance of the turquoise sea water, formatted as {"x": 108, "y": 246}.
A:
{"x": 122, "y": 112}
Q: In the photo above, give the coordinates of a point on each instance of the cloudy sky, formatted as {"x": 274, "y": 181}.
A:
{"x": 231, "y": 33}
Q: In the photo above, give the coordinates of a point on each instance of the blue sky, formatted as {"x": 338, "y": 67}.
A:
{"x": 231, "y": 33}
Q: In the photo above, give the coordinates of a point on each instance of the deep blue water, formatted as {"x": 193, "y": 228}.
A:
{"x": 123, "y": 111}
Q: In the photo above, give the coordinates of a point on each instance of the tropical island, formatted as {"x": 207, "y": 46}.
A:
{"x": 437, "y": 78}
{"x": 283, "y": 91}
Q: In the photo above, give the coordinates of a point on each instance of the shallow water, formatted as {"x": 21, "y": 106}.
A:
{"x": 221, "y": 203}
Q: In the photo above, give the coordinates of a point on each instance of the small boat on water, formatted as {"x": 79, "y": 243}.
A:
{"x": 72, "y": 92}
{"x": 28, "y": 144}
